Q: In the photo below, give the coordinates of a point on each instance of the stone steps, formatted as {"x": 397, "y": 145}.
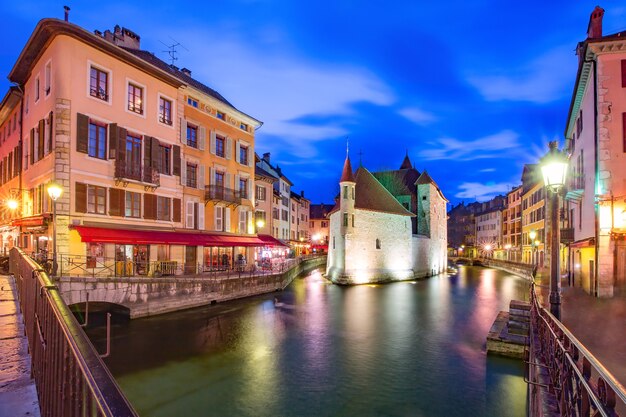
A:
{"x": 508, "y": 335}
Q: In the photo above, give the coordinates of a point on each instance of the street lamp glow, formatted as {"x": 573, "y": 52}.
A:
{"x": 487, "y": 247}
{"x": 554, "y": 168}
{"x": 316, "y": 237}
{"x": 12, "y": 204}
{"x": 260, "y": 223}
{"x": 532, "y": 235}
{"x": 507, "y": 246}
{"x": 54, "y": 191}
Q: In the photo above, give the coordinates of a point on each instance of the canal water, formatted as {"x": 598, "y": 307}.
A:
{"x": 402, "y": 349}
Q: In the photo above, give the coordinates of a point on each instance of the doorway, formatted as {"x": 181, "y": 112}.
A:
{"x": 191, "y": 257}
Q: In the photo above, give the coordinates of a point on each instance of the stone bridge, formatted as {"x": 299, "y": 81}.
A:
{"x": 145, "y": 296}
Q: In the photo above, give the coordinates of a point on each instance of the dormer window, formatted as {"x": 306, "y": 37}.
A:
{"x": 220, "y": 115}
{"x": 377, "y": 243}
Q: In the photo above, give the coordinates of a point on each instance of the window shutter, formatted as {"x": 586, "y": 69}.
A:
{"x": 250, "y": 185}
{"x": 624, "y": 73}
{"x": 113, "y": 139}
{"x": 176, "y": 210}
{"x": 117, "y": 200}
{"x": 229, "y": 148}
{"x": 189, "y": 215}
{"x": 227, "y": 219}
{"x": 212, "y": 142}
{"x": 81, "y": 198}
{"x": 41, "y": 139}
{"x": 147, "y": 152}
{"x": 18, "y": 159}
{"x": 149, "y": 206}
{"x": 211, "y": 176}
{"x": 202, "y": 137}
{"x": 227, "y": 181}
{"x": 32, "y": 146}
{"x": 121, "y": 144}
{"x": 201, "y": 216}
{"x": 623, "y": 131}
{"x": 248, "y": 220}
{"x": 218, "y": 218}
{"x": 236, "y": 187}
{"x": 176, "y": 161}
{"x": 50, "y": 130}
{"x": 195, "y": 216}
{"x": 183, "y": 172}
{"x": 250, "y": 156}
{"x": 201, "y": 177}
{"x": 237, "y": 150}
{"x": 155, "y": 153}
{"x": 183, "y": 130}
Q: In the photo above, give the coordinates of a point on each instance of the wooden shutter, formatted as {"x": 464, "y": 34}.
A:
{"x": 211, "y": 176}
{"x": 147, "y": 152}
{"x": 196, "y": 209}
{"x": 41, "y": 139}
{"x": 229, "y": 148}
{"x": 176, "y": 160}
{"x": 227, "y": 219}
{"x": 117, "y": 202}
{"x": 200, "y": 216}
{"x": 121, "y": 144}
{"x": 32, "y": 146}
{"x": 183, "y": 172}
{"x": 624, "y": 73}
{"x": 176, "y": 210}
{"x": 149, "y": 206}
{"x": 50, "y": 130}
{"x": 201, "y": 137}
{"x": 155, "y": 155}
{"x": 16, "y": 161}
{"x": 623, "y": 130}
{"x": 237, "y": 152}
{"x": 212, "y": 142}
{"x": 183, "y": 130}
{"x": 81, "y": 198}
{"x": 201, "y": 177}
{"x": 113, "y": 139}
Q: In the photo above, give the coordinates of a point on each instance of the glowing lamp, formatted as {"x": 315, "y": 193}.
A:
{"x": 554, "y": 168}
{"x": 54, "y": 191}
{"x": 537, "y": 242}
{"x": 12, "y": 204}
{"x": 507, "y": 246}
{"x": 260, "y": 223}
{"x": 532, "y": 235}
{"x": 316, "y": 237}
{"x": 487, "y": 247}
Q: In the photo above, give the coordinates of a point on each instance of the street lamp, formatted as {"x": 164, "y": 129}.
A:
{"x": 554, "y": 170}
{"x": 12, "y": 204}
{"x": 532, "y": 235}
{"x": 54, "y": 192}
{"x": 508, "y": 251}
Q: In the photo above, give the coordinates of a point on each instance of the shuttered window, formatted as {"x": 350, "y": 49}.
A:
{"x": 97, "y": 140}
{"x": 133, "y": 204}
{"x": 176, "y": 160}
{"x": 163, "y": 208}
{"x": 80, "y": 198}
{"x": 623, "y": 72}
{"x": 96, "y": 199}
{"x": 176, "y": 214}
{"x": 41, "y": 139}
{"x": 149, "y": 206}
{"x": 116, "y": 202}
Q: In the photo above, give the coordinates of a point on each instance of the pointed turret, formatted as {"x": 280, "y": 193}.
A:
{"x": 406, "y": 164}
{"x": 347, "y": 175}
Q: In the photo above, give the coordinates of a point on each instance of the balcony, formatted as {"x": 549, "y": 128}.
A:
{"x": 218, "y": 193}
{"x": 146, "y": 175}
{"x": 567, "y": 235}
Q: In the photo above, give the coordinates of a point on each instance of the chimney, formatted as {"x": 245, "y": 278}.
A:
{"x": 302, "y": 193}
{"x": 67, "y": 13}
{"x": 594, "y": 29}
{"x": 186, "y": 71}
{"x": 266, "y": 157}
{"x": 123, "y": 37}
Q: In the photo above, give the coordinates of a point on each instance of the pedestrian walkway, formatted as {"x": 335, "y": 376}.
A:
{"x": 599, "y": 323}
{"x": 18, "y": 395}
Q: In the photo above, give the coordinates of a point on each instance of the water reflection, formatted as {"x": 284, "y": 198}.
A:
{"x": 400, "y": 349}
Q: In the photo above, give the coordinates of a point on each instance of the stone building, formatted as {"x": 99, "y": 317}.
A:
{"x": 595, "y": 135}
{"x": 377, "y": 237}
{"x": 319, "y": 225}
{"x": 512, "y": 225}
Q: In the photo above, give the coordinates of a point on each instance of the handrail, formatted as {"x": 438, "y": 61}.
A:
{"x": 71, "y": 378}
{"x": 570, "y": 367}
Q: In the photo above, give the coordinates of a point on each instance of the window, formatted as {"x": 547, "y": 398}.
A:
{"x": 133, "y": 204}
{"x": 192, "y": 136}
{"x": 192, "y": 175}
{"x": 219, "y": 146}
{"x": 345, "y": 192}
{"x": 219, "y": 218}
{"x": 243, "y": 187}
{"x": 345, "y": 219}
{"x": 37, "y": 89}
{"x": 324, "y": 224}
{"x": 164, "y": 159}
{"x": 97, "y": 140}
{"x": 260, "y": 193}
{"x": 165, "y": 111}
{"x": 96, "y": 199}
{"x": 285, "y": 215}
{"x": 46, "y": 85}
{"x": 623, "y": 72}
{"x": 220, "y": 115}
{"x": 275, "y": 213}
{"x": 243, "y": 155}
{"x": 99, "y": 84}
{"x": 260, "y": 216}
{"x": 219, "y": 179}
{"x": 377, "y": 243}
{"x": 163, "y": 208}
{"x": 243, "y": 126}
{"x": 243, "y": 215}
{"x": 133, "y": 157}
{"x": 192, "y": 102}
{"x": 135, "y": 98}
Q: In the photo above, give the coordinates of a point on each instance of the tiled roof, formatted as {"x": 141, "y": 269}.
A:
{"x": 263, "y": 173}
{"x": 371, "y": 195}
{"x": 346, "y": 174}
{"x": 406, "y": 164}
{"x": 426, "y": 179}
{"x": 399, "y": 182}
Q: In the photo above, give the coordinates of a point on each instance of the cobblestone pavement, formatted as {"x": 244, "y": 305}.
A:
{"x": 18, "y": 395}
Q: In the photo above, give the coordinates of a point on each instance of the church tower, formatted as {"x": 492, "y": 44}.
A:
{"x": 346, "y": 199}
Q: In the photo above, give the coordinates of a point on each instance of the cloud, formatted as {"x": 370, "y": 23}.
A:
{"x": 496, "y": 145}
{"x": 482, "y": 192}
{"x": 417, "y": 115}
{"x": 540, "y": 81}
{"x": 487, "y": 170}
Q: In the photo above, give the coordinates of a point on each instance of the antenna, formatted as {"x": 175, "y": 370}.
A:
{"x": 360, "y": 157}
{"x": 171, "y": 49}
{"x": 347, "y": 146}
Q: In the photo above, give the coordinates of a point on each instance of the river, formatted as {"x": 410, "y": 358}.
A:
{"x": 402, "y": 349}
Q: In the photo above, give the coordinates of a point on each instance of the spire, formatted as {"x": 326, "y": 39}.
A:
{"x": 406, "y": 164}
{"x": 347, "y": 175}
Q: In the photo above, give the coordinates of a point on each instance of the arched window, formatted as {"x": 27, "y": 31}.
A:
{"x": 377, "y": 243}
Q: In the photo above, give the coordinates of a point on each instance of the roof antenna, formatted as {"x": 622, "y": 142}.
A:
{"x": 347, "y": 146}
{"x": 67, "y": 13}
{"x": 360, "y": 157}
{"x": 171, "y": 50}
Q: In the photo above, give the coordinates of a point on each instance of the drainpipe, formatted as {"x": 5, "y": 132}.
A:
{"x": 596, "y": 170}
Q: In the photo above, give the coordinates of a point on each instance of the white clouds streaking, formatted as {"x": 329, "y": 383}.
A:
{"x": 496, "y": 145}
{"x": 417, "y": 115}
{"x": 482, "y": 192}
{"x": 537, "y": 82}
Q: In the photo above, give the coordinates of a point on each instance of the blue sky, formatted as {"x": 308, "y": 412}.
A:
{"x": 473, "y": 90}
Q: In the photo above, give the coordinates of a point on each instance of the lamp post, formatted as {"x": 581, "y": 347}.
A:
{"x": 532, "y": 235}
{"x": 508, "y": 251}
{"x": 54, "y": 192}
{"x": 554, "y": 170}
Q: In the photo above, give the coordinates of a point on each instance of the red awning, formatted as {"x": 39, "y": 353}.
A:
{"x": 151, "y": 237}
{"x": 31, "y": 221}
{"x": 271, "y": 241}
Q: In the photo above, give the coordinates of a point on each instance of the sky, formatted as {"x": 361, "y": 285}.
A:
{"x": 472, "y": 90}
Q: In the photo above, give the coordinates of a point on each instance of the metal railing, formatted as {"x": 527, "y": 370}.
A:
{"x": 581, "y": 385}
{"x": 147, "y": 175}
{"x": 219, "y": 193}
{"x": 70, "y": 376}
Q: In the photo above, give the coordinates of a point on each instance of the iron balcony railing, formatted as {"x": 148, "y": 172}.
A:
{"x": 567, "y": 235}
{"x": 71, "y": 378}
{"x": 147, "y": 175}
{"x": 219, "y": 193}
